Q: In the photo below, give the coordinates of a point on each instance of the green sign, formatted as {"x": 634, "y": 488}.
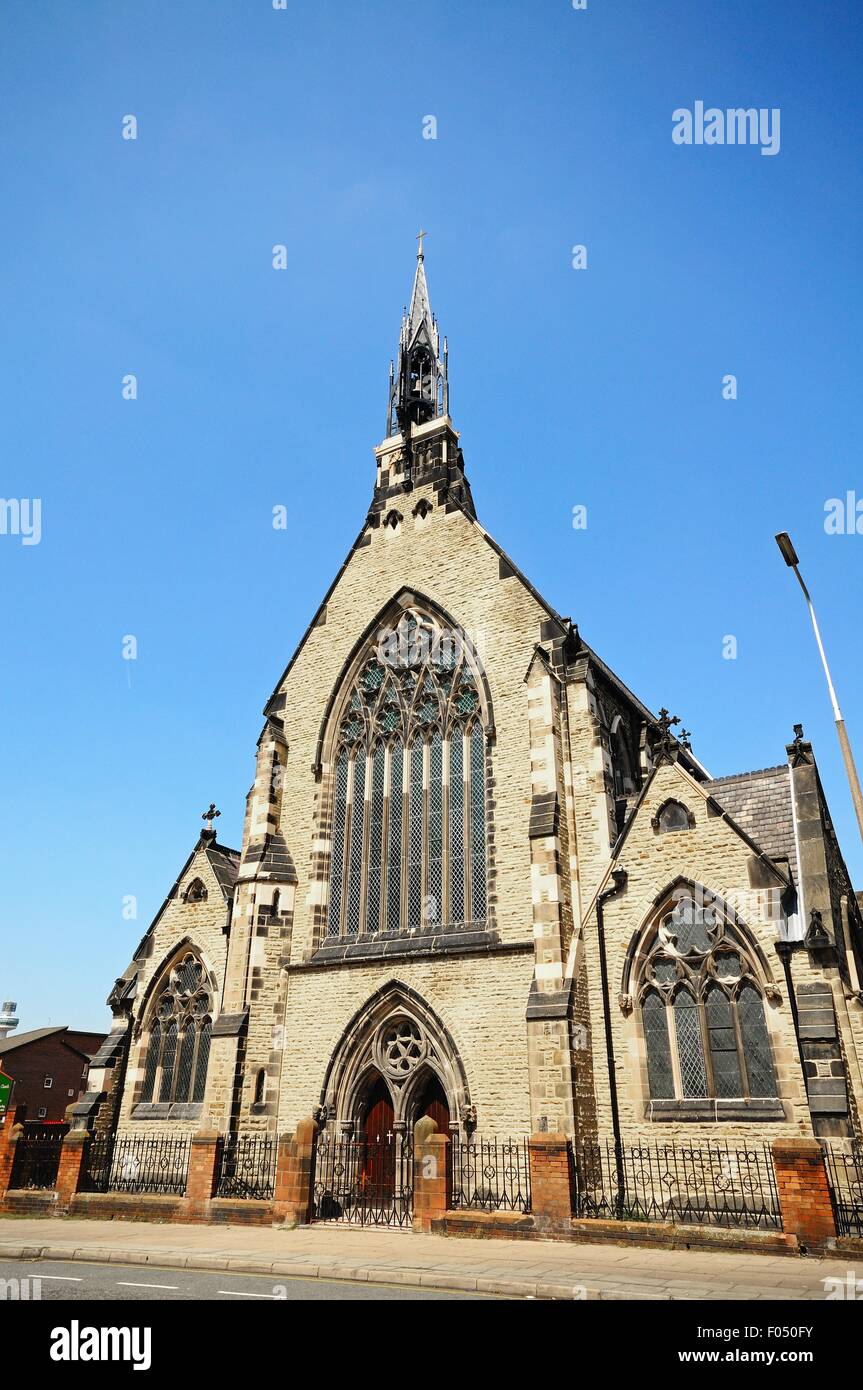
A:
{"x": 6, "y": 1084}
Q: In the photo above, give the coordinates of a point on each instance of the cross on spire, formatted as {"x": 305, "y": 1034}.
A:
{"x": 421, "y": 251}
{"x": 210, "y": 815}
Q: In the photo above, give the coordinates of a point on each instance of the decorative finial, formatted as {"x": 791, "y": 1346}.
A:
{"x": 210, "y": 815}
{"x": 421, "y": 252}
{"x": 685, "y": 739}
{"x": 798, "y": 733}
{"x": 666, "y": 739}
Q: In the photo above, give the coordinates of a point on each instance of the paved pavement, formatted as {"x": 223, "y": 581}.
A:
{"x": 526, "y": 1269}
{"x": 79, "y": 1282}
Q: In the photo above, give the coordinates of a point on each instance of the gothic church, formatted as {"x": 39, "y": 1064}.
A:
{"x": 479, "y": 880}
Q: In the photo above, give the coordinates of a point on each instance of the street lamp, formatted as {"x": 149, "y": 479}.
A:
{"x": 789, "y": 555}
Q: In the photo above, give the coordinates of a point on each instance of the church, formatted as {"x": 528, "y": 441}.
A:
{"x": 481, "y": 882}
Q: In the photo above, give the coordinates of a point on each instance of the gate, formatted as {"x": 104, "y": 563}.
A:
{"x": 37, "y": 1156}
{"x": 845, "y": 1175}
{"x": 364, "y": 1182}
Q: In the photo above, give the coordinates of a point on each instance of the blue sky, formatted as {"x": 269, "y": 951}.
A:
{"x": 600, "y": 387}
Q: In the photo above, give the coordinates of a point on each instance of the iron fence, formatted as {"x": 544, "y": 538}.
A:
{"x": 491, "y": 1174}
{"x": 713, "y": 1184}
{"x": 247, "y": 1166}
{"x": 364, "y": 1183}
{"x": 37, "y": 1156}
{"x": 845, "y": 1175}
{"x": 157, "y": 1163}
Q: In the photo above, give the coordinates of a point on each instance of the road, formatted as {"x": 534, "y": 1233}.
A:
{"x": 86, "y": 1282}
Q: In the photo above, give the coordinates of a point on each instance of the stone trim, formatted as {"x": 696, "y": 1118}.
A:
{"x": 230, "y": 1025}
{"x": 441, "y": 944}
{"x": 164, "y": 1110}
{"x": 716, "y": 1111}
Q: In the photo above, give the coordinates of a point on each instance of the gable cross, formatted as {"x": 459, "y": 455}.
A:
{"x": 210, "y": 815}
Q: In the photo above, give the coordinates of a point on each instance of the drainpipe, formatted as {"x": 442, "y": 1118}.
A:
{"x": 619, "y": 876}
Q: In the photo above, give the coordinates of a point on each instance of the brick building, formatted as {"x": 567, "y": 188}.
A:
{"x": 480, "y": 880}
{"x": 49, "y": 1067}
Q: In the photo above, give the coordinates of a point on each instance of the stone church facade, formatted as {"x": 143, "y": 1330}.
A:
{"x": 480, "y": 880}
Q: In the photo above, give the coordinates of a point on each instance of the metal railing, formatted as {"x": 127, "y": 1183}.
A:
{"x": 490, "y": 1174}
{"x": 37, "y": 1156}
{"x": 157, "y": 1163}
{"x": 711, "y": 1184}
{"x": 845, "y": 1176}
{"x": 246, "y": 1166}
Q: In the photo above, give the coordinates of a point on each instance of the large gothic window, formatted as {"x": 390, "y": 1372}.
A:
{"x": 409, "y": 786}
{"x": 178, "y": 1047}
{"x": 702, "y": 1009}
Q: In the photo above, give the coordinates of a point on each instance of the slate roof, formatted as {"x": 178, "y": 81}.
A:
{"x": 760, "y": 803}
{"x": 18, "y": 1040}
{"x": 8, "y": 1044}
{"x": 225, "y": 864}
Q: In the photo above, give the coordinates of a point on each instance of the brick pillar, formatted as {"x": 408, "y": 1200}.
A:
{"x": 804, "y": 1192}
{"x": 201, "y": 1181}
{"x": 550, "y": 1191}
{"x": 9, "y": 1135}
{"x": 72, "y": 1155}
{"x": 432, "y": 1174}
{"x": 295, "y": 1168}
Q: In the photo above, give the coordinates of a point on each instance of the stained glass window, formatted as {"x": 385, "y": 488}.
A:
{"x": 723, "y": 1044}
{"x": 415, "y": 842}
{"x": 689, "y": 1046}
{"x": 355, "y": 867}
{"x": 178, "y": 1046}
{"x": 412, "y": 853}
{"x": 709, "y": 1038}
{"x": 376, "y": 833}
{"x": 658, "y": 1047}
{"x": 338, "y": 857}
{"x": 394, "y": 852}
{"x": 153, "y": 1050}
{"x": 456, "y": 825}
{"x": 434, "y": 897}
{"x": 477, "y": 823}
{"x": 756, "y": 1043}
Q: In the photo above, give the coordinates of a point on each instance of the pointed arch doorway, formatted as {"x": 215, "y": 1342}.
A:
{"x": 432, "y": 1102}
{"x": 365, "y": 1177}
{"x": 379, "y": 1116}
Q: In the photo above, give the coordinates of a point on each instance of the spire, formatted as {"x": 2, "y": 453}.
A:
{"x": 418, "y": 384}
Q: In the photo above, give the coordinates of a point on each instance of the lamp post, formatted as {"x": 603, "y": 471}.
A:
{"x": 789, "y": 555}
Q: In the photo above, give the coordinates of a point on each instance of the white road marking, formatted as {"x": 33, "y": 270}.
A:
{"x": 128, "y": 1284}
{"x": 59, "y": 1278}
{"x": 237, "y": 1293}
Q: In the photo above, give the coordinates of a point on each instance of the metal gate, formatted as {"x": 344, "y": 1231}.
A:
{"x": 845, "y": 1175}
{"x": 362, "y": 1182}
{"x": 37, "y": 1156}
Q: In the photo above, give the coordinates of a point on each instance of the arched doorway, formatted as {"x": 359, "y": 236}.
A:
{"x": 432, "y": 1102}
{"x": 378, "y": 1117}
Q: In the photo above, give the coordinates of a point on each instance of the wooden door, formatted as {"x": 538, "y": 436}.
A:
{"x": 379, "y": 1156}
{"x": 433, "y": 1103}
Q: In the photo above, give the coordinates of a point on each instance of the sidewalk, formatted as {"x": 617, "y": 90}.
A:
{"x": 535, "y": 1269}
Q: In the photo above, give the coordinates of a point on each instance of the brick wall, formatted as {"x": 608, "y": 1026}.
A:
{"x": 51, "y": 1056}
